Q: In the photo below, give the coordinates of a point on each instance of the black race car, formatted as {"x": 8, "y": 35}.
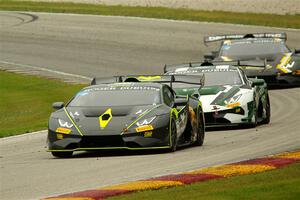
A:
{"x": 282, "y": 64}
{"x": 127, "y": 115}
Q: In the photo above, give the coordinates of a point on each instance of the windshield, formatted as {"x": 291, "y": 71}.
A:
{"x": 222, "y": 78}
{"x": 116, "y": 97}
{"x": 211, "y": 78}
{"x": 252, "y": 49}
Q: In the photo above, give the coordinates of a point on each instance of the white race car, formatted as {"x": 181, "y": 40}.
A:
{"x": 228, "y": 96}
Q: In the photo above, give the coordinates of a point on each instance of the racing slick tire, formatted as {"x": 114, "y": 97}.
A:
{"x": 268, "y": 112}
{"x": 173, "y": 136}
{"x": 254, "y": 123}
{"x": 67, "y": 154}
{"x": 200, "y": 133}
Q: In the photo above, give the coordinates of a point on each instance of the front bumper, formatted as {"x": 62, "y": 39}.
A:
{"x": 155, "y": 139}
{"x": 229, "y": 117}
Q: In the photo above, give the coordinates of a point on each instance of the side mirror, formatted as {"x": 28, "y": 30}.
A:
{"x": 209, "y": 56}
{"x": 181, "y": 101}
{"x": 257, "y": 82}
{"x": 297, "y": 51}
{"x": 58, "y": 105}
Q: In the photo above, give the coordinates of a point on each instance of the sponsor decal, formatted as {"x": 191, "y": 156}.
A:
{"x": 144, "y": 128}
{"x": 63, "y": 130}
{"x": 118, "y": 87}
{"x": 232, "y": 105}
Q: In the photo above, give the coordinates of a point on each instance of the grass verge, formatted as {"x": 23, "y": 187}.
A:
{"x": 283, "y": 183}
{"x": 25, "y": 101}
{"x": 287, "y": 21}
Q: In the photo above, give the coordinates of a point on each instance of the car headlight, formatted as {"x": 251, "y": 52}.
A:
{"x": 145, "y": 121}
{"x": 65, "y": 124}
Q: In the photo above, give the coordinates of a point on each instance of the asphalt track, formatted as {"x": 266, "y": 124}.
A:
{"x": 96, "y": 46}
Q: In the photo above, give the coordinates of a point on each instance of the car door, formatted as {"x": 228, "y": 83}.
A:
{"x": 181, "y": 111}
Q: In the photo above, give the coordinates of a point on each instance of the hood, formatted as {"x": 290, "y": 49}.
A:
{"x": 222, "y": 97}
{"x": 106, "y": 120}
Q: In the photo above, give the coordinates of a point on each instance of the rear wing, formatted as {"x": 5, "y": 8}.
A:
{"x": 237, "y": 63}
{"x": 173, "y": 67}
{"x": 106, "y": 80}
{"x": 168, "y": 79}
{"x": 215, "y": 38}
{"x": 243, "y": 63}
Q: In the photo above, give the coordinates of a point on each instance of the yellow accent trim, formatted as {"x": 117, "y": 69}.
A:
{"x": 144, "y": 128}
{"x": 79, "y": 131}
{"x": 59, "y": 136}
{"x": 148, "y": 78}
{"x": 103, "y": 123}
{"x": 63, "y": 130}
{"x": 284, "y": 60}
{"x": 141, "y": 115}
{"x": 148, "y": 134}
{"x": 107, "y": 148}
{"x": 232, "y": 105}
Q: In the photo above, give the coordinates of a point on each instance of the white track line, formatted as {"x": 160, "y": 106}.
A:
{"x": 46, "y": 70}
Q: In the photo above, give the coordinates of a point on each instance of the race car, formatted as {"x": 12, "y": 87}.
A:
{"x": 228, "y": 96}
{"x": 126, "y": 115}
{"x": 283, "y": 64}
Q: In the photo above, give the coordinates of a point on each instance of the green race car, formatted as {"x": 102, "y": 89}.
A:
{"x": 228, "y": 96}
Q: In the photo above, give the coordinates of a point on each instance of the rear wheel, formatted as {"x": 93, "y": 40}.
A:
{"x": 268, "y": 112}
{"x": 173, "y": 145}
{"x": 200, "y": 132}
{"x": 66, "y": 154}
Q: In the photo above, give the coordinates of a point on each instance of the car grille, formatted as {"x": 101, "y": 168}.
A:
{"x": 101, "y": 141}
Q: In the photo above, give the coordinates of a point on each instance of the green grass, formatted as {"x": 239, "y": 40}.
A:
{"x": 26, "y": 101}
{"x": 288, "y": 21}
{"x": 282, "y": 183}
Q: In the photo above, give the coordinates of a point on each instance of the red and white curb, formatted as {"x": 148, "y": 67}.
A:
{"x": 235, "y": 169}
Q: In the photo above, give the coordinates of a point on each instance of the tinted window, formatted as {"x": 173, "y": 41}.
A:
{"x": 116, "y": 98}
{"x": 168, "y": 97}
{"x": 222, "y": 78}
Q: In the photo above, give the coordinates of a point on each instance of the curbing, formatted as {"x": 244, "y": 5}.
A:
{"x": 234, "y": 169}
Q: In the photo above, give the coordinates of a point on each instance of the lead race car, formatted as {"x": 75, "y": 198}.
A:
{"x": 228, "y": 97}
{"x": 283, "y": 64}
{"x": 126, "y": 115}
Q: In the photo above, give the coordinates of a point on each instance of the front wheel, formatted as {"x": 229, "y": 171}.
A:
{"x": 173, "y": 135}
{"x": 66, "y": 154}
{"x": 200, "y": 133}
{"x": 253, "y": 124}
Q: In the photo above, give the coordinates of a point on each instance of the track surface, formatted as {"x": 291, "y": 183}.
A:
{"x": 95, "y": 45}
